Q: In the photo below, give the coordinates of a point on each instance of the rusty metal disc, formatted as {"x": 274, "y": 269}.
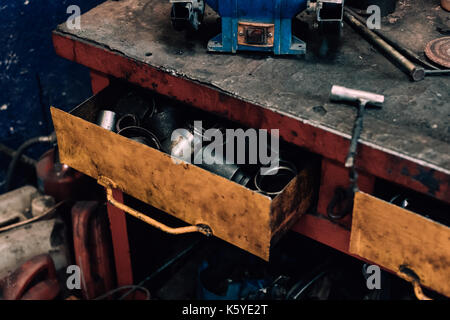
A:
{"x": 438, "y": 51}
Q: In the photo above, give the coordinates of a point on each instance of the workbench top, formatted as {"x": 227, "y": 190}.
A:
{"x": 414, "y": 122}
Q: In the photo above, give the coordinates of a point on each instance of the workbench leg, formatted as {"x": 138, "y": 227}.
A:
{"x": 117, "y": 218}
{"x": 119, "y": 233}
{"x": 99, "y": 81}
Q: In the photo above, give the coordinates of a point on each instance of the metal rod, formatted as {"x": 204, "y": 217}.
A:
{"x": 437, "y": 72}
{"x": 357, "y": 130}
{"x": 405, "y": 51}
{"x": 416, "y": 73}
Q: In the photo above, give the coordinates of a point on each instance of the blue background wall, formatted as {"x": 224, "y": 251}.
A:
{"x": 32, "y": 77}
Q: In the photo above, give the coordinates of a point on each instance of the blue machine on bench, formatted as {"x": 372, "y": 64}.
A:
{"x": 255, "y": 25}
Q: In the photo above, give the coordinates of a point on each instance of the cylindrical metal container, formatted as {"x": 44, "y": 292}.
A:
{"x": 141, "y": 104}
{"x": 127, "y": 120}
{"x": 107, "y": 120}
{"x": 166, "y": 120}
{"x": 217, "y": 164}
{"x": 275, "y": 179}
{"x": 141, "y": 135}
{"x": 183, "y": 142}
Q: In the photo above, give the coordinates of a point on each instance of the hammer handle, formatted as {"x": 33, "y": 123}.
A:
{"x": 357, "y": 129}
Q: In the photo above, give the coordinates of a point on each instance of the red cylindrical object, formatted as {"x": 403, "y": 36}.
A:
{"x": 59, "y": 180}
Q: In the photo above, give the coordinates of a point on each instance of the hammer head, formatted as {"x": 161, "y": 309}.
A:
{"x": 339, "y": 93}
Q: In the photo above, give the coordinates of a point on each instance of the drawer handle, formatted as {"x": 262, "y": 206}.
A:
{"x": 110, "y": 185}
{"x": 410, "y": 276}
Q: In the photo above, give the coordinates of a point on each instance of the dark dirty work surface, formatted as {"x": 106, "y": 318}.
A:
{"x": 413, "y": 122}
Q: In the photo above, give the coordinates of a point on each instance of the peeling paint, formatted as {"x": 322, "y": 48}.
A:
{"x": 427, "y": 179}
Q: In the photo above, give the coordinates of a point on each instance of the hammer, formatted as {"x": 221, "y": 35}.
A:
{"x": 363, "y": 99}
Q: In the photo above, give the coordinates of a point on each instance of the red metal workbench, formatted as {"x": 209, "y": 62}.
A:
{"x": 406, "y": 143}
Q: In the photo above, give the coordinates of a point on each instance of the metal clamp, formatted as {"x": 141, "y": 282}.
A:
{"x": 110, "y": 185}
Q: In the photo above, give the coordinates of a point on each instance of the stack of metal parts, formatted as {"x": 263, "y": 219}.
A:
{"x": 168, "y": 127}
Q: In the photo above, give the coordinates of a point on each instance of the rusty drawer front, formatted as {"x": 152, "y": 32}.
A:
{"x": 235, "y": 214}
{"x": 394, "y": 237}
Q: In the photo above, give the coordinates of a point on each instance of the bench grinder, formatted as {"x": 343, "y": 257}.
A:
{"x": 254, "y": 25}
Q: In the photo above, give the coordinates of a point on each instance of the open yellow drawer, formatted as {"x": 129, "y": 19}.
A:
{"x": 395, "y": 238}
{"x": 234, "y": 213}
